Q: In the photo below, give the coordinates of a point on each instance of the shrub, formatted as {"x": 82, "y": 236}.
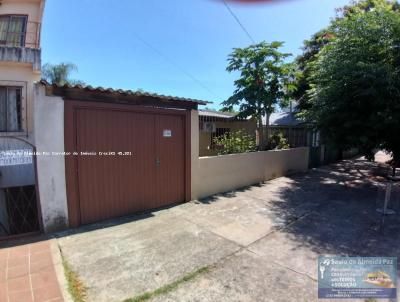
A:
{"x": 278, "y": 141}
{"x": 235, "y": 142}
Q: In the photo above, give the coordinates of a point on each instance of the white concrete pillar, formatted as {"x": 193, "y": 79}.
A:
{"x": 49, "y": 137}
{"x": 194, "y": 114}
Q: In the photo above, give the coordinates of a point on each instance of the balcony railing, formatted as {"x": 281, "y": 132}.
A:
{"x": 29, "y": 38}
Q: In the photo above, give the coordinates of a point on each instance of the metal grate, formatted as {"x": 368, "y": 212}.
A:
{"x": 22, "y": 210}
{"x": 19, "y": 206}
{"x": 215, "y": 124}
{"x": 17, "y": 31}
{"x": 297, "y": 136}
{"x": 10, "y": 109}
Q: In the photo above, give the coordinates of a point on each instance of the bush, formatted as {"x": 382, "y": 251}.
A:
{"x": 278, "y": 141}
{"x": 235, "y": 142}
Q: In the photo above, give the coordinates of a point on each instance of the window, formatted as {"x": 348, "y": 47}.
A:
{"x": 10, "y": 109}
{"x": 12, "y": 30}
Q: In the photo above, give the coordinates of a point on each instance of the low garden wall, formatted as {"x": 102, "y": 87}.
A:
{"x": 218, "y": 174}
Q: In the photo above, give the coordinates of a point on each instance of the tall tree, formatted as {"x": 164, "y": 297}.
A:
{"x": 260, "y": 86}
{"x": 316, "y": 43}
{"x": 355, "y": 82}
{"x": 311, "y": 49}
{"x": 60, "y": 73}
{"x": 360, "y": 6}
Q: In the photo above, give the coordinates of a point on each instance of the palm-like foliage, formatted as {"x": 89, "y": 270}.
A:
{"x": 60, "y": 73}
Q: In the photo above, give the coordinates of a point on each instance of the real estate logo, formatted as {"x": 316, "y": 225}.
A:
{"x": 357, "y": 277}
{"x": 15, "y": 157}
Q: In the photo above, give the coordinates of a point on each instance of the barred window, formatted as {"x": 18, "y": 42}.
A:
{"x": 12, "y": 30}
{"x": 10, "y": 109}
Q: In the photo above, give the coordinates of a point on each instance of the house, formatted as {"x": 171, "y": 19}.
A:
{"x": 111, "y": 152}
{"x": 102, "y": 153}
{"x": 213, "y": 124}
{"x": 72, "y": 155}
{"x": 298, "y": 132}
{"x": 20, "y": 64}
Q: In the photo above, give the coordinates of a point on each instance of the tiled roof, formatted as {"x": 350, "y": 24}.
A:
{"x": 125, "y": 92}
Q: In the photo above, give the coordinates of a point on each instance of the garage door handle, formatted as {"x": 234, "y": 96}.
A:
{"x": 157, "y": 162}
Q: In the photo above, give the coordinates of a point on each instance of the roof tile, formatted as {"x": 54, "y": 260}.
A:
{"x": 127, "y": 92}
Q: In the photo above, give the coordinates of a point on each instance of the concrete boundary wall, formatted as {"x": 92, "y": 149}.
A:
{"x": 218, "y": 174}
{"x": 209, "y": 175}
{"x": 49, "y": 137}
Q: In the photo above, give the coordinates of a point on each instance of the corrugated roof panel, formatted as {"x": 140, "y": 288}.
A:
{"x": 218, "y": 114}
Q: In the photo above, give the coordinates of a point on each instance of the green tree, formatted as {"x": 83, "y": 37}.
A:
{"x": 311, "y": 49}
{"x": 228, "y": 110}
{"x": 357, "y": 7}
{"x": 260, "y": 86}
{"x": 59, "y": 74}
{"x": 355, "y": 82}
{"x": 316, "y": 43}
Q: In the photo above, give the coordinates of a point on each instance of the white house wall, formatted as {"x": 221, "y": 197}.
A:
{"x": 49, "y": 137}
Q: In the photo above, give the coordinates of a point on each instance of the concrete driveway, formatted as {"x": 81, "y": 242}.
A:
{"x": 258, "y": 244}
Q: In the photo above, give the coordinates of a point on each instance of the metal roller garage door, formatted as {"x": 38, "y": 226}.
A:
{"x": 150, "y": 172}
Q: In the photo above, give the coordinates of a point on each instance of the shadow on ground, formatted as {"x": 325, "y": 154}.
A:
{"x": 332, "y": 210}
{"x": 262, "y": 241}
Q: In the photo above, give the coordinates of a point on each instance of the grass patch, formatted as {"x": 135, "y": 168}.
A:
{"x": 76, "y": 288}
{"x": 169, "y": 287}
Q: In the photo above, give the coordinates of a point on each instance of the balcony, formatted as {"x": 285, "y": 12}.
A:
{"x": 22, "y": 46}
{"x": 27, "y": 34}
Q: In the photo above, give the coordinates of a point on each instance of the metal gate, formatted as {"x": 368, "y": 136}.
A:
{"x": 19, "y": 203}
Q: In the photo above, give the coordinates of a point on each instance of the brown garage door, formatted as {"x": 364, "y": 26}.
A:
{"x": 149, "y": 174}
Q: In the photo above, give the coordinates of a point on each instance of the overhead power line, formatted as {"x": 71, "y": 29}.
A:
{"x": 238, "y": 22}
{"x": 170, "y": 61}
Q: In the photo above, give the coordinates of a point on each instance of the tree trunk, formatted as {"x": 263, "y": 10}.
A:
{"x": 267, "y": 128}
{"x": 261, "y": 135}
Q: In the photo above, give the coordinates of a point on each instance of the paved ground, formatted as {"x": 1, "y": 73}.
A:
{"x": 262, "y": 242}
{"x": 27, "y": 273}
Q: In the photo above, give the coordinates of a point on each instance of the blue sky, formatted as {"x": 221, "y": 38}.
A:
{"x": 153, "y": 44}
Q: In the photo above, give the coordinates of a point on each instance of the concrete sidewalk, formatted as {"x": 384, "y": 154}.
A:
{"x": 260, "y": 243}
